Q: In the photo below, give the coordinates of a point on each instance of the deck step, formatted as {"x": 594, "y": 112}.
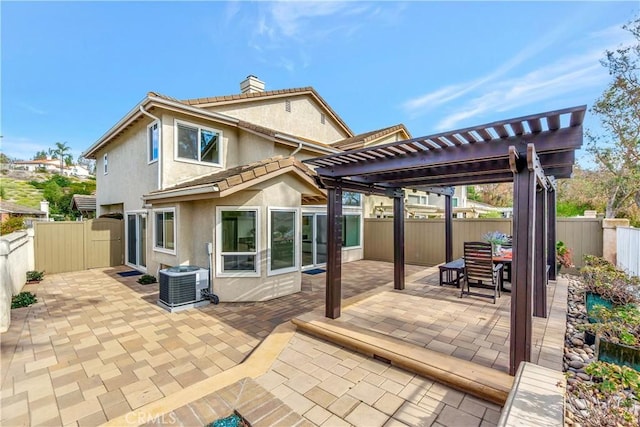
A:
{"x": 480, "y": 381}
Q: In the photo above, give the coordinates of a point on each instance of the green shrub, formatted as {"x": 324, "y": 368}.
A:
{"x": 23, "y": 299}
{"x": 147, "y": 279}
{"x": 34, "y": 276}
{"x": 12, "y": 224}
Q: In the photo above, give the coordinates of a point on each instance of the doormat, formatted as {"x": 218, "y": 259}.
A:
{"x": 315, "y": 271}
{"x": 129, "y": 273}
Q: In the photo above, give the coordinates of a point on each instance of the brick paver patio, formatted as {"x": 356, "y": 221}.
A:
{"x": 97, "y": 346}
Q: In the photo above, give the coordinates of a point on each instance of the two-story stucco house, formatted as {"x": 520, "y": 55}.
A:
{"x": 225, "y": 173}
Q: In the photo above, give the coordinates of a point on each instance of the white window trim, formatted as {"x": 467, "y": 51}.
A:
{"x": 359, "y": 213}
{"x": 297, "y": 238}
{"x": 219, "y": 253}
{"x": 149, "y": 149}
{"x": 105, "y": 163}
{"x": 177, "y": 122}
{"x": 175, "y": 231}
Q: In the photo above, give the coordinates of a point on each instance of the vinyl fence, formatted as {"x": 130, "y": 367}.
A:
{"x": 424, "y": 238}
{"x": 71, "y": 246}
{"x": 628, "y": 249}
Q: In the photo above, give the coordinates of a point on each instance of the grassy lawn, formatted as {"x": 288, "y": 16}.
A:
{"x": 21, "y": 192}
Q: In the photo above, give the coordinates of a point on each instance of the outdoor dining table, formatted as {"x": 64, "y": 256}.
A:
{"x": 505, "y": 257}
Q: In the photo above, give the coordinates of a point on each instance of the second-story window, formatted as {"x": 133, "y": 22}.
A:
{"x": 153, "y": 135}
{"x": 323, "y": 118}
{"x": 287, "y": 106}
{"x": 105, "y": 162}
{"x": 198, "y": 143}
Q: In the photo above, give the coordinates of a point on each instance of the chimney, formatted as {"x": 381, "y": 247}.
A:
{"x": 251, "y": 85}
{"x": 44, "y": 207}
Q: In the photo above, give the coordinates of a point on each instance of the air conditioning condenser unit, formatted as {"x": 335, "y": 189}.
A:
{"x": 181, "y": 287}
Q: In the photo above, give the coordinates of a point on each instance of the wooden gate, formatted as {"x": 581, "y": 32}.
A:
{"x": 72, "y": 246}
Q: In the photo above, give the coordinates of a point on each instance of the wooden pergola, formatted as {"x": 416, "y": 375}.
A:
{"x": 531, "y": 151}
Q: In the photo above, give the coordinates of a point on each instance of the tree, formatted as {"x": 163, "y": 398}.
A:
{"x": 61, "y": 152}
{"x": 40, "y": 155}
{"x": 617, "y": 151}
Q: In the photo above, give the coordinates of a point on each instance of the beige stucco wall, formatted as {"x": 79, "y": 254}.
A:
{"x": 196, "y": 228}
{"x": 303, "y": 120}
{"x": 129, "y": 174}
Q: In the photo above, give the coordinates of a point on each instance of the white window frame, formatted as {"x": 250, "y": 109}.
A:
{"x": 198, "y": 128}
{"x": 354, "y": 213}
{"x": 150, "y": 158}
{"x": 297, "y": 241}
{"x": 455, "y": 202}
{"x": 105, "y": 163}
{"x": 220, "y": 254}
{"x": 175, "y": 230}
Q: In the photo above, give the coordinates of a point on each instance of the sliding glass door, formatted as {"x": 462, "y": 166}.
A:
{"x": 314, "y": 239}
{"x": 136, "y": 240}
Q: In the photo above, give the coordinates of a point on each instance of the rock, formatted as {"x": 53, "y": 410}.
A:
{"x": 583, "y": 376}
{"x": 577, "y": 342}
{"x": 580, "y": 404}
{"x": 576, "y": 364}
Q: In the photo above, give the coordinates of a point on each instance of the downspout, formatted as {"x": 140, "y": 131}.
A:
{"x": 146, "y": 113}
{"x": 297, "y": 149}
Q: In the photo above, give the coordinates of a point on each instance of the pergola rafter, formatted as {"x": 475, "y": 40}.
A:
{"x": 527, "y": 151}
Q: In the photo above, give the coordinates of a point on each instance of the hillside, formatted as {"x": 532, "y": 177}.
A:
{"x": 16, "y": 186}
{"x": 19, "y": 191}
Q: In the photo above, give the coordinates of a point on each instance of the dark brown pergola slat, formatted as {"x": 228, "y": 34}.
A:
{"x": 526, "y": 155}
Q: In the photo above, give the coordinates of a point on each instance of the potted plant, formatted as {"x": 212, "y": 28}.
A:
{"x": 564, "y": 256}
{"x": 497, "y": 239}
{"x": 618, "y": 335}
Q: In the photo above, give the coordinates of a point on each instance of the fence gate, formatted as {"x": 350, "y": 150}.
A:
{"x": 72, "y": 246}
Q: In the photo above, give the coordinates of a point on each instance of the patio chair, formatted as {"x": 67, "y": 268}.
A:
{"x": 480, "y": 270}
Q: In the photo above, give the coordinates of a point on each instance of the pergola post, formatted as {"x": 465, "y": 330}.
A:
{"x": 448, "y": 227}
{"x": 524, "y": 198}
{"x": 398, "y": 239}
{"x": 551, "y": 232}
{"x": 540, "y": 258}
{"x": 334, "y": 256}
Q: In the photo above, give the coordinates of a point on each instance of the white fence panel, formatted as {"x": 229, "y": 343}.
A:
{"x": 628, "y": 249}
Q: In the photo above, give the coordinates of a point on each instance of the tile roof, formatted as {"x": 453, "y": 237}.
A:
{"x": 234, "y": 177}
{"x": 240, "y": 97}
{"x": 83, "y": 202}
{"x": 19, "y": 209}
{"x": 359, "y": 141}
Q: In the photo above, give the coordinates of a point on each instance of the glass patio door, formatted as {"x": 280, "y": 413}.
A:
{"x": 314, "y": 239}
{"x": 136, "y": 240}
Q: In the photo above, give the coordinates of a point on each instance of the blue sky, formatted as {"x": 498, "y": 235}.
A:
{"x": 70, "y": 70}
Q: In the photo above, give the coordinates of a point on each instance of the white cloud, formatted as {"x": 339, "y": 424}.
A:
{"x": 32, "y": 109}
{"x": 497, "y": 92}
{"x": 550, "y": 82}
{"x": 287, "y": 29}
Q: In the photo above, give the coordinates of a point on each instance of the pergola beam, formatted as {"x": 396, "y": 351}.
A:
{"x": 565, "y": 139}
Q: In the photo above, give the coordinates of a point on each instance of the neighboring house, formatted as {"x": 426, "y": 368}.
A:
{"x": 76, "y": 170}
{"x": 226, "y": 171}
{"x": 85, "y": 204}
{"x": 10, "y": 210}
{"x": 48, "y": 165}
{"x": 419, "y": 204}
